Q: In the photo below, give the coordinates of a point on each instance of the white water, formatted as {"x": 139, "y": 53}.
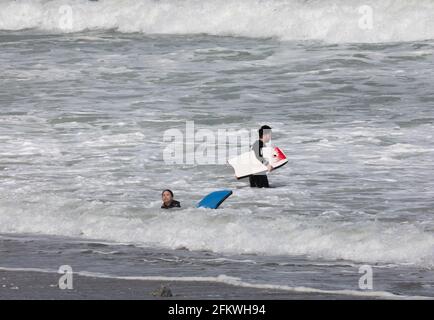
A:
{"x": 331, "y": 20}
{"x": 233, "y": 231}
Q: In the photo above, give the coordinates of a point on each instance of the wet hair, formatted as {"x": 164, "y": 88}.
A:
{"x": 170, "y": 191}
{"x": 261, "y": 130}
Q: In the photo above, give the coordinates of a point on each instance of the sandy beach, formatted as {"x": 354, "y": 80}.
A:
{"x": 44, "y": 286}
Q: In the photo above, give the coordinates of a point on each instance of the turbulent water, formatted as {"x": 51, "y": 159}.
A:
{"x": 84, "y": 110}
{"x": 330, "y": 20}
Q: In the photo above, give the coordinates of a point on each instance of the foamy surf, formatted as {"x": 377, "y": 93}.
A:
{"x": 331, "y": 21}
{"x": 232, "y": 231}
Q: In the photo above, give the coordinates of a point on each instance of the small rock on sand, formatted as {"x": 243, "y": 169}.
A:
{"x": 163, "y": 291}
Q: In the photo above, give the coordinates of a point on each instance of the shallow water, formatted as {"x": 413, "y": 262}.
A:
{"x": 297, "y": 274}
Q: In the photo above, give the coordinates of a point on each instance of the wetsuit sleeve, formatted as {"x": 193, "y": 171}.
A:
{"x": 173, "y": 204}
{"x": 257, "y": 148}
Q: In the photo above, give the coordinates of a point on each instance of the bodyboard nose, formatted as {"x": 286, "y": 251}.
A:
{"x": 214, "y": 199}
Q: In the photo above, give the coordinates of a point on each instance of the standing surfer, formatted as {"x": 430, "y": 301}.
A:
{"x": 260, "y": 180}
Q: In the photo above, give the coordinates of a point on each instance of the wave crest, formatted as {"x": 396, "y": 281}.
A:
{"x": 330, "y": 20}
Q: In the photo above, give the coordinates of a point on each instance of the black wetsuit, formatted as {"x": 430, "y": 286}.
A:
{"x": 259, "y": 180}
{"x": 172, "y": 204}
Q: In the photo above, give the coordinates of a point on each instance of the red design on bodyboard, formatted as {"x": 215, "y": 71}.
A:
{"x": 278, "y": 154}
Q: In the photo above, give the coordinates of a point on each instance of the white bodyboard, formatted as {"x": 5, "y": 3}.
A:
{"x": 247, "y": 164}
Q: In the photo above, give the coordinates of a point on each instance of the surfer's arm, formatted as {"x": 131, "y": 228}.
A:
{"x": 257, "y": 148}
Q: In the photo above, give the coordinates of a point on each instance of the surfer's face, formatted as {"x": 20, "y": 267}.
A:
{"x": 266, "y": 137}
{"x": 167, "y": 197}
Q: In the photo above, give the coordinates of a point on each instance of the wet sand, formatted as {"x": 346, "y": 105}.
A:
{"x": 40, "y": 285}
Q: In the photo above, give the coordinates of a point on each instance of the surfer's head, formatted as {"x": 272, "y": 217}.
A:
{"x": 265, "y": 133}
{"x": 167, "y": 196}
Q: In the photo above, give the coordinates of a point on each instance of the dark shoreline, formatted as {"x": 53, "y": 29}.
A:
{"x": 32, "y": 285}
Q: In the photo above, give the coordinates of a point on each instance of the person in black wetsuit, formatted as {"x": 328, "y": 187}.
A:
{"x": 168, "y": 201}
{"x": 260, "y": 180}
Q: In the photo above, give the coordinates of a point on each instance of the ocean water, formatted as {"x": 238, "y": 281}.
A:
{"x": 84, "y": 109}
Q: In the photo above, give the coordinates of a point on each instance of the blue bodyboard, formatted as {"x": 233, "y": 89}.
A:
{"x": 214, "y": 199}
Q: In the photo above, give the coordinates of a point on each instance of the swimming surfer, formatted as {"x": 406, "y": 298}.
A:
{"x": 260, "y": 180}
{"x": 168, "y": 201}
